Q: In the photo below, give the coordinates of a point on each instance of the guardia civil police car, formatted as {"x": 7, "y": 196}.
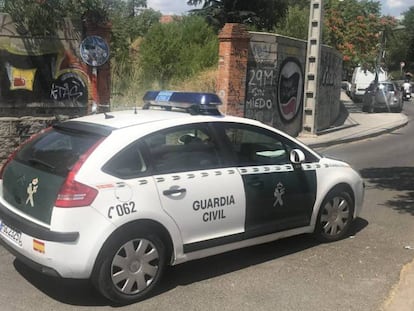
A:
{"x": 117, "y": 197}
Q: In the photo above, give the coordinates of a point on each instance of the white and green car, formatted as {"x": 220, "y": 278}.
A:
{"x": 117, "y": 197}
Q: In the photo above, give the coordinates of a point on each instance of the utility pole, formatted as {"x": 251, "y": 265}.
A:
{"x": 311, "y": 86}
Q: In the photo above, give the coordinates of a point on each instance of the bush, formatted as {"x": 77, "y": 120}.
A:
{"x": 177, "y": 50}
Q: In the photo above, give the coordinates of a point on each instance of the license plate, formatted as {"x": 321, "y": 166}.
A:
{"x": 11, "y": 234}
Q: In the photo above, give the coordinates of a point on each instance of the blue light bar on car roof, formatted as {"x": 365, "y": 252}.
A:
{"x": 195, "y": 103}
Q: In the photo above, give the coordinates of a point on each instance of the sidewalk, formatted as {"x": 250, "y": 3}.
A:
{"x": 358, "y": 125}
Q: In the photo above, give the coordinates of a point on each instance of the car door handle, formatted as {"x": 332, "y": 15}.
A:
{"x": 174, "y": 191}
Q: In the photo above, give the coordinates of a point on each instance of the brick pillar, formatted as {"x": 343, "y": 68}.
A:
{"x": 231, "y": 82}
{"x": 103, "y": 79}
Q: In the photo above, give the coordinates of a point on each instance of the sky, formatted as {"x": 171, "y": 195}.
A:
{"x": 395, "y": 7}
{"x": 178, "y": 7}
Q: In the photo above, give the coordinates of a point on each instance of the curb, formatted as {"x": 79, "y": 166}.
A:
{"x": 400, "y": 297}
{"x": 356, "y": 137}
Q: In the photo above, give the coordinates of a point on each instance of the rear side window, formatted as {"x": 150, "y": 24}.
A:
{"x": 56, "y": 151}
{"x": 182, "y": 148}
{"x": 126, "y": 164}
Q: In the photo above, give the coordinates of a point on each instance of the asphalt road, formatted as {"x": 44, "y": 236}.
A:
{"x": 293, "y": 274}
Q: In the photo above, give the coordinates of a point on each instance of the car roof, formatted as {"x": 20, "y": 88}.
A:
{"x": 158, "y": 106}
{"x": 127, "y": 118}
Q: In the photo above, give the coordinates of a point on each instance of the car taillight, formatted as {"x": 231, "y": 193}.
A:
{"x": 13, "y": 154}
{"x": 73, "y": 193}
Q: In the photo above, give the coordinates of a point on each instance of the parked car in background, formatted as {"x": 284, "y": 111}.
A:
{"x": 361, "y": 79}
{"x": 382, "y": 95}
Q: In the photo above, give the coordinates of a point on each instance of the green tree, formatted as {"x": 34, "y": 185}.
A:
{"x": 357, "y": 30}
{"x": 258, "y": 15}
{"x": 45, "y": 17}
{"x": 405, "y": 38}
{"x": 36, "y": 18}
{"x": 177, "y": 50}
{"x": 126, "y": 28}
{"x": 296, "y": 22}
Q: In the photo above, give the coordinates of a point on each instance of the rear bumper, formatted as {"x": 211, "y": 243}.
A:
{"x": 36, "y": 230}
{"x": 383, "y": 105}
{"x": 69, "y": 251}
{"x": 28, "y": 262}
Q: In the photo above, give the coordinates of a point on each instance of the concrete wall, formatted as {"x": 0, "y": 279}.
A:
{"x": 275, "y": 75}
{"x": 272, "y": 72}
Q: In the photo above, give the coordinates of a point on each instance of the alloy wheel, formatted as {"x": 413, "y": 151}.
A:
{"x": 335, "y": 216}
{"x": 135, "y": 266}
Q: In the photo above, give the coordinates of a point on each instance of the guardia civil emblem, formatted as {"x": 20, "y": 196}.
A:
{"x": 31, "y": 190}
{"x": 279, "y": 192}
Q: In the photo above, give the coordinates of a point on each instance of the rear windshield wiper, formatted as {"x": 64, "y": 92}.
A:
{"x": 43, "y": 163}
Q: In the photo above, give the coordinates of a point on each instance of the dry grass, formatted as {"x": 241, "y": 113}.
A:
{"x": 204, "y": 81}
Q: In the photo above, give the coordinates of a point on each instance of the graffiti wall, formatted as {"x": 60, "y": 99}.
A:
{"x": 41, "y": 75}
{"x": 275, "y": 82}
{"x": 329, "y": 88}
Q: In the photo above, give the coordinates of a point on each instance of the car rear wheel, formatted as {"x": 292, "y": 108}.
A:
{"x": 130, "y": 267}
{"x": 335, "y": 216}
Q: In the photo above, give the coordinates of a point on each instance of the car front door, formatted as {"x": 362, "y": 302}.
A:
{"x": 279, "y": 194}
{"x": 202, "y": 195}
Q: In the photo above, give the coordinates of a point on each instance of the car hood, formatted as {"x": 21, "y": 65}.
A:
{"x": 333, "y": 162}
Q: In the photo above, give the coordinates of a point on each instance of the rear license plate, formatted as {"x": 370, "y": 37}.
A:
{"x": 11, "y": 234}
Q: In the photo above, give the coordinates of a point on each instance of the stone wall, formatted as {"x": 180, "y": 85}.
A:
{"x": 15, "y": 130}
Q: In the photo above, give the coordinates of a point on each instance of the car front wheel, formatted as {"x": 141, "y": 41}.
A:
{"x": 130, "y": 267}
{"x": 335, "y": 216}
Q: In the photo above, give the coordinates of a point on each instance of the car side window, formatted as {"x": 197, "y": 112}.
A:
{"x": 183, "y": 148}
{"x": 126, "y": 164}
{"x": 255, "y": 147}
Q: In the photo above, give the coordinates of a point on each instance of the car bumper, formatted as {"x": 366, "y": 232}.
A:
{"x": 391, "y": 104}
{"x": 28, "y": 262}
{"x": 68, "y": 252}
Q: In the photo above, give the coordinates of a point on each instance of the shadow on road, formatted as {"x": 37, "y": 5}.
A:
{"x": 68, "y": 291}
{"x": 82, "y": 293}
{"x": 394, "y": 178}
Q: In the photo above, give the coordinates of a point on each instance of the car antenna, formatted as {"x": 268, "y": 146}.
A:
{"x": 108, "y": 116}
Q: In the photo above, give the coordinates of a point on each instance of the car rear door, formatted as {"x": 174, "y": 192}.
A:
{"x": 203, "y": 196}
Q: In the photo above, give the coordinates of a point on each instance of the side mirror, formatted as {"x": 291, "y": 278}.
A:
{"x": 297, "y": 156}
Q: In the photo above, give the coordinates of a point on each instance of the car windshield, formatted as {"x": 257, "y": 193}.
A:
{"x": 387, "y": 87}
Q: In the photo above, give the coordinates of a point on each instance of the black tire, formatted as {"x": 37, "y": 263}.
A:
{"x": 335, "y": 216}
{"x": 129, "y": 266}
